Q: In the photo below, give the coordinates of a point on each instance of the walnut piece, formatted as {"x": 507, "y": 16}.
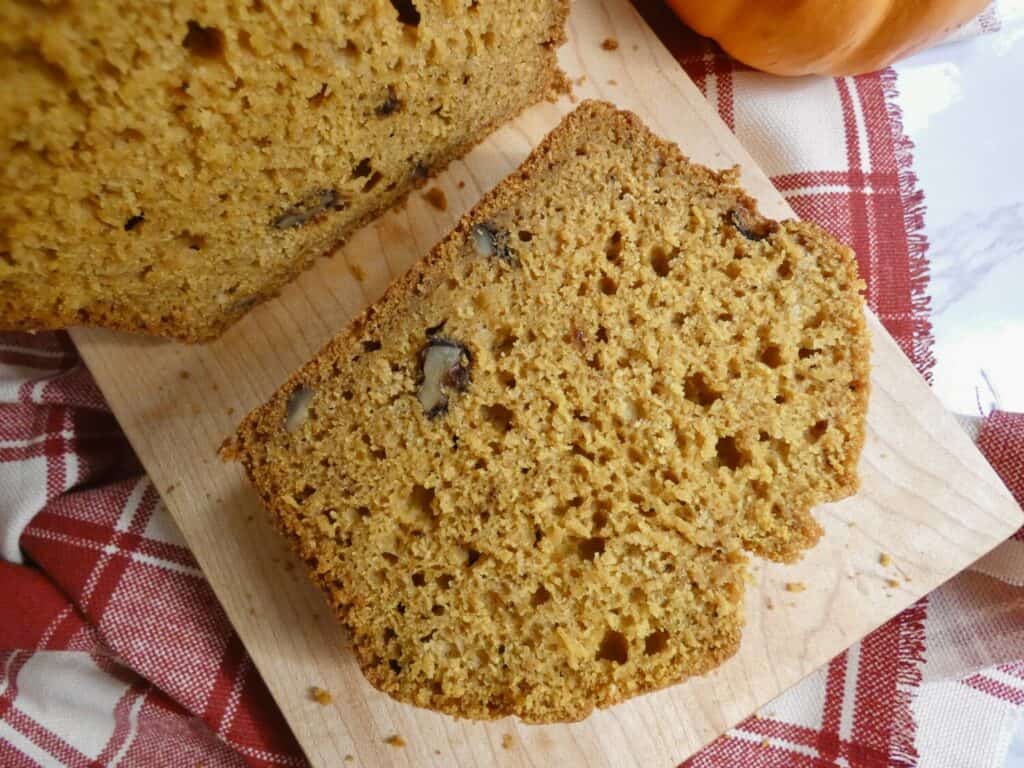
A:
{"x": 445, "y": 369}
{"x": 297, "y": 409}
{"x": 491, "y": 241}
{"x": 750, "y": 226}
{"x": 308, "y": 209}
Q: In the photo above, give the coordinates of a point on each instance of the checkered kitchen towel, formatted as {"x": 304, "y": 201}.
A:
{"x": 114, "y": 651}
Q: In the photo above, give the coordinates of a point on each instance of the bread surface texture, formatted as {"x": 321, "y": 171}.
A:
{"x": 167, "y": 166}
{"x": 528, "y": 477}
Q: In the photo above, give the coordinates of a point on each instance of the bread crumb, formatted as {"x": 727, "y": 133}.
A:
{"x": 436, "y": 197}
{"x": 795, "y": 586}
{"x": 892, "y": 583}
{"x": 231, "y": 411}
{"x": 184, "y": 375}
{"x": 610, "y": 44}
{"x": 357, "y": 272}
{"x": 769, "y": 604}
{"x": 461, "y": 185}
{"x": 320, "y": 696}
{"x": 395, "y": 740}
{"x": 580, "y": 80}
{"x": 766, "y": 742}
{"x": 169, "y": 489}
{"x": 348, "y": 758}
{"x": 884, "y": 560}
{"x": 507, "y": 741}
{"x": 613, "y": 82}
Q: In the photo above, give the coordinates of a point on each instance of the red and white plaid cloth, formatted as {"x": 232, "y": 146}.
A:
{"x": 114, "y": 650}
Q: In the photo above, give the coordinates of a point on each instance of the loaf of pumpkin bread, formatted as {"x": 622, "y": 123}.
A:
{"x": 527, "y": 476}
{"x": 164, "y": 166}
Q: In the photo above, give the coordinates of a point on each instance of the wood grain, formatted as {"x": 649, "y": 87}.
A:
{"x": 928, "y": 499}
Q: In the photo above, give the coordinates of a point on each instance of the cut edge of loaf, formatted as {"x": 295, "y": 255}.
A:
{"x": 114, "y": 315}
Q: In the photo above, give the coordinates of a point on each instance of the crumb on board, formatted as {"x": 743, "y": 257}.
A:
{"x": 357, "y": 271}
{"x": 289, "y": 566}
{"x": 250, "y": 517}
{"x": 507, "y": 741}
{"x": 795, "y": 586}
{"x": 349, "y": 758}
{"x": 394, "y": 740}
{"x": 579, "y": 80}
{"x": 169, "y": 489}
{"x": 769, "y": 604}
{"x": 184, "y": 375}
{"x": 437, "y": 751}
{"x": 320, "y": 696}
{"x": 636, "y": 46}
{"x": 436, "y": 197}
{"x": 766, "y": 742}
{"x": 613, "y": 82}
{"x": 892, "y": 583}
{"x": 610, "y": 44}
{"x": 885, "y": 560}
{"x": 461, "y": 184}
{"x": 231, "y": 411}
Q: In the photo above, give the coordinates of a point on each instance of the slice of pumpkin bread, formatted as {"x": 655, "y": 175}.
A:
{"x": 526, "y": 476}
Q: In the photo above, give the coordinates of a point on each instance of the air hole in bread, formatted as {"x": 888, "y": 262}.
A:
{"x": 771, "y": 356}
{"x": 614, "y": 647}
{"x": 407, "y": 12}
{"x": 696, "y": 389}
{"x": 817, "y": 430}
{"x": 613, "y": 248}
{"x": 729, "y": 454}
{"x": 203, "y": 42}
{"x": 656, "y": 642}
{"x": 661, "y": 262}
{"x": 590, "y": 548}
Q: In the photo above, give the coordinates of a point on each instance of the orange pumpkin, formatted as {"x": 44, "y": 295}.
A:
{"x": 828, "y": 37}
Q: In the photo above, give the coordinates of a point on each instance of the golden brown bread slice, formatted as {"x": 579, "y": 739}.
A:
{"x": 525, "y": 477}
{"x": 166, "y": 166}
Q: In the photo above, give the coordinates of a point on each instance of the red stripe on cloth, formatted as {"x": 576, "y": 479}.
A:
{"x": 1001, "y": 440}
{"x": 997, "y": 689}
{"x": 889, "y": 667}
{"x": 879, "y": 181}
{"x": 901, "y": 265}
{"x": 722, "y": 67}
{"x": 124, "y": 732}
{"x": 48, "y": 741}
{"x": 32, "y": 598}
{"x": 11, "y": 663}
{"x": 222, "y": 700}
{"x": 827, "y": 740}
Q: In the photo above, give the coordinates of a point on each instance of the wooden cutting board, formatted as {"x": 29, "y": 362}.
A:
{"x": 929, "y": 499}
